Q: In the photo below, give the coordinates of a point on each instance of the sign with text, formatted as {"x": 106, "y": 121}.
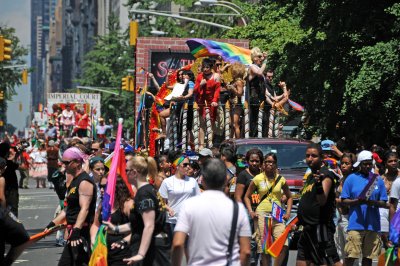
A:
{"x": 93, "y": 99}
{"x": 162, "y": 62}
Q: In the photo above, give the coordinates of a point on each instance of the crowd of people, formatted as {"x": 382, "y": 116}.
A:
{"x": 219, "y": 93}
{"x": 179, "y": 205}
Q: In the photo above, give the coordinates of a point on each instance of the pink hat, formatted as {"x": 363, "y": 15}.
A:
{"x": 75, "y": 154}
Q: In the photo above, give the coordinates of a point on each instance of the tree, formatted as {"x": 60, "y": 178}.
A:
{"x": 180, "y": 28}
{"x": 340, "y": 58}
{"x": 10, "y": 77}
{"x": 104, "y": 66}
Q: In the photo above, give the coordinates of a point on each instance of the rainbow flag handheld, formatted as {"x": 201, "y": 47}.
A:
{"x": 229, "y": 52}
{"x": 296, "y": 106}
{"x": 392, "y": 257}
{"x": 109, "y": 194}
{"x": 267, "y": 237}
{"x": 99, "y": 254}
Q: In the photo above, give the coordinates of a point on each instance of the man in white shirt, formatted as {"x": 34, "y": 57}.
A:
{"x": 207, "y": 219}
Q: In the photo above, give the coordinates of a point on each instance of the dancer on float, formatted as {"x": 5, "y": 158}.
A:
{"x": 206, "y": 90}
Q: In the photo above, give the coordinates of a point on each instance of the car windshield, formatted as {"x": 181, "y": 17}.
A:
{"x": 289, "y": 155}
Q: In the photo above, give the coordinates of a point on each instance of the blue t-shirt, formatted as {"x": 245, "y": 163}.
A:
{"x": 363, "y": 217}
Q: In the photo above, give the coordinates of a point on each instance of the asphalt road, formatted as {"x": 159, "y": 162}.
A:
{"x": 36, "y": 209}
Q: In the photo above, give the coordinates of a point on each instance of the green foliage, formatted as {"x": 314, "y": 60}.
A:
{"x": 104, "y": 66}
{"x": 340, "y": 59}
{"x": 10, "y": 77}
{"x": 180, "y": 28}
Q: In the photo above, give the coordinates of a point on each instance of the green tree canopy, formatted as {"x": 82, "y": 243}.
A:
{"x": 341, "y": 60}
{"x": 10, "y": 77}
{"x": 104, "y": 66}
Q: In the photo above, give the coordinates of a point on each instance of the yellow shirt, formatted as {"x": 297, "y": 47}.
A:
{"x": 263, "y": 185}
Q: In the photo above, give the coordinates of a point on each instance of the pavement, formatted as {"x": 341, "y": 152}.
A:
{"x": 36, "y": 210}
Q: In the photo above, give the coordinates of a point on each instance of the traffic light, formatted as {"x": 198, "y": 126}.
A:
{"x": 5, "y": 49}
{"x": 131, "y": 86}
{"x": 20, "y": 107}
{"x": 125, "y": 83}
{"x": 1, "y": 123}
{"x": 24, "y": 76}
{"x": 1, "y": 95}
{"x": 133, "y": 32}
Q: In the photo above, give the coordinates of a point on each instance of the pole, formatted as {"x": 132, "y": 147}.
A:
{"x": 150, "y": 12}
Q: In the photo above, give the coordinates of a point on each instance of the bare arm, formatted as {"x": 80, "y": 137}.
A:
{"x": 247, "y": 198}
{"x": 148, "y": 220}
{"x": 239, "y": 192}
{"x": 2, "y": 195}
{"x": 245, "y": 250}
{"x": 178, "y": 248}
{"x": 289, "y": 203}
{"x": 153, "y": 79}
{"x": 86, "y": 190}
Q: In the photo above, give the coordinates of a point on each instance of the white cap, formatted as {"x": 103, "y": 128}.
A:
{"x": 206, "y": 152}
{"x": 363, "y": 156}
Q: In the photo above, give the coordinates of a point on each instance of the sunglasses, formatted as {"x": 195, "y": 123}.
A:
{"x": 95, "y": 149}
{"x": 185, "y": 164}
{"x": 66, "y": 162}
{"x": 102, "y": 186}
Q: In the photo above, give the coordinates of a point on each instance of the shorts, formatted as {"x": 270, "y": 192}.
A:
{"x": 277, "y": 230}
{"x": 317, "y": 245}
{"x": 365, "y": 243}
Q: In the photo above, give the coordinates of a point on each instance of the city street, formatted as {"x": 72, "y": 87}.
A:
{"x": 36, "y": 209}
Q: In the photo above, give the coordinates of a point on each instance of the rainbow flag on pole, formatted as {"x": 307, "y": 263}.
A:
{"x": 109, "y": 194}
{"x": 229, "y": 52}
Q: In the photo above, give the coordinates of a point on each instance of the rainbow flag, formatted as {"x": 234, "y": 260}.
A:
{"x": 109, "y": 194}
{"x": 267, "y": 237}
{"x": 296, "y": 106}
{"x": 229, "y": 52}
{"x": 99, "y": 254}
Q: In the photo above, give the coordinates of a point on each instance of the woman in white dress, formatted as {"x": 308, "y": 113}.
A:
{"x": 38, "y": 169}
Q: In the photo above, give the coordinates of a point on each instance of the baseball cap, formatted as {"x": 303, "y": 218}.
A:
{"x": 206, "y": 152}
{"x": 326, "y": 145}
{"x": 363, "y": 156}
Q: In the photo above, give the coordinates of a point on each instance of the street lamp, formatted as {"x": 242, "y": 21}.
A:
{"x": 158, "y": 32}
{"x": 152, "y": 12}
{"x": 213, "y": 2}
{"x": 235, "y": 8}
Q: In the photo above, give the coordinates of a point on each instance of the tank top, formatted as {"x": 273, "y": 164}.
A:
{"x": 73, "y": 207}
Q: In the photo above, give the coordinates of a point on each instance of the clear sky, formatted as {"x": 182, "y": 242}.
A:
{"x": 16, "y": 14}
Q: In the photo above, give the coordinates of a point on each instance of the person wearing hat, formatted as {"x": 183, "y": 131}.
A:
{"x": 80, "y": 210}
{"x": 364, "y": 218}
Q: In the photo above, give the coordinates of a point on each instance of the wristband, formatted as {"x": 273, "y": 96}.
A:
{"x": 50, "y": 225}
{"x": 116, "y": 229}
{"x": 75, "y": 234}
